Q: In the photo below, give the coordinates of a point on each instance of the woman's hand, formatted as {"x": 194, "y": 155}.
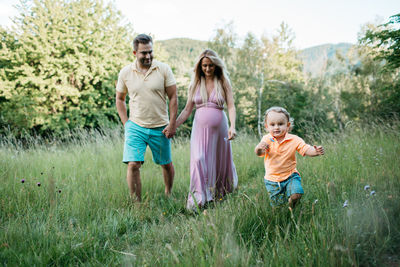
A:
{"x": 231, "y": 133}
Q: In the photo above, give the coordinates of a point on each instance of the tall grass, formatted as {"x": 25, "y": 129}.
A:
{"x": 81, "y": 213}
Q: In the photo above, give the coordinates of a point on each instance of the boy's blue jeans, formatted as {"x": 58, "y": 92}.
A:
{"x": 279, "y": 192}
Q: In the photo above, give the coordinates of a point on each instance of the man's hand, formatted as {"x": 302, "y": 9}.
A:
{"x": 169, "y": 131}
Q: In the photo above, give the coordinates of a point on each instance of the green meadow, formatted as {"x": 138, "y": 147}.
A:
{"x": 81, "y": 213}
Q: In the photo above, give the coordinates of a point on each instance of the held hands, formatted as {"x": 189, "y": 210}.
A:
{"x": 169, "y": 131}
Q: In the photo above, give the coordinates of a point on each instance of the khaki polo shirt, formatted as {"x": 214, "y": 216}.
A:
{"x": 147, "y": 95}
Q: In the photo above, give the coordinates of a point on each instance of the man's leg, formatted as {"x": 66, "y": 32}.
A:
{"x": 133, "y": 179}
{"x": 169, "y": 173}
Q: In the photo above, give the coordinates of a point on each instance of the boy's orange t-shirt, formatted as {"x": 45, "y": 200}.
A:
{"x": 280, "y": 159}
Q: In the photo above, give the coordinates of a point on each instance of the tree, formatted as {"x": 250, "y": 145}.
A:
{"x": 387, "y": 37}
{"x": 59, "y": 65}
{"x": 372, "y": 82}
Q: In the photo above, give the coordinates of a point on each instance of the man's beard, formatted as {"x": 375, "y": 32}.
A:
{"x": 146, "y": 64}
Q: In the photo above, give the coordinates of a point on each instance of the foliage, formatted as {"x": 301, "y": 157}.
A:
{"x": 60, "y": 62}
{"x": 387, "y": 36}
{"x": 181, "y": 55}
{"x": 59, "y": 65}
{"x": 370, "y": 86}
{"x": 267, "y": 71}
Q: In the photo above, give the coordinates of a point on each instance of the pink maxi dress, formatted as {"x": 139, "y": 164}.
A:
{"x": 212, "y": 171}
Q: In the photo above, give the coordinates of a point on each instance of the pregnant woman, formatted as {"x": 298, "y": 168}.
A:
{"x": 212, "y": 171}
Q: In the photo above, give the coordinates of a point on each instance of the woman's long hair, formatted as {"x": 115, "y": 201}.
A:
{"x": 221, "y": 78}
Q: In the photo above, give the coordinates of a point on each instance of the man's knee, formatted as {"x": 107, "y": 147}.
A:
{"x": 168, "y": 166}
{"x": 134, "y": 165}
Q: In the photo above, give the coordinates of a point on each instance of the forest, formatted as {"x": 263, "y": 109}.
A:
{"x": 60, "y": 61}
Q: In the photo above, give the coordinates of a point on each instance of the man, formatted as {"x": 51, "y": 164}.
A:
{"x": 148, "y": 83}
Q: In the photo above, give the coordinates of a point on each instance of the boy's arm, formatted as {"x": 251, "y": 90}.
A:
{"x": 314, "y": 151}
{"x": 261, "y": 149}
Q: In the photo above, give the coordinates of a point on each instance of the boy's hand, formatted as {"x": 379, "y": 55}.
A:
{"x": 263, "y": 145}
{"x": 261, "y": 148}
{"x": 319, "y": 150}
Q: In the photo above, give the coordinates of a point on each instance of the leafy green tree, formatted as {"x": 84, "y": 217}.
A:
{"x": 264, "y": 72}
{"x": 371, "y": 86}
{"x": 386, "y": 37}
{"x": 59, "y": 65}
{"x": 224, "y": 43}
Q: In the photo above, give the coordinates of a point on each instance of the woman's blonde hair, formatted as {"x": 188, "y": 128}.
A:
{"x": 280, "y": 110}
{"x": 221, "y": 78}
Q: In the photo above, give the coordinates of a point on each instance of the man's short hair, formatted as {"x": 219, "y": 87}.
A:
{"x": 141, "y": 39}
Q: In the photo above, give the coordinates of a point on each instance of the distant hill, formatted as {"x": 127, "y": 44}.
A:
{"x": 183, "y": 52}
{"x": 315, "y": 59}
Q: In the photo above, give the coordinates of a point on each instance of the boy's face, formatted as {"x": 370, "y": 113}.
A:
{"x": 277, "y": 124}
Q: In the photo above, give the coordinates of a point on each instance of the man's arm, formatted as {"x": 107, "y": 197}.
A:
{"x": 121, "y": 106}
{"x": 170, "y": 130}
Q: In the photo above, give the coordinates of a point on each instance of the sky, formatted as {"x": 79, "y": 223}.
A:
{"x": 314, "y": 22}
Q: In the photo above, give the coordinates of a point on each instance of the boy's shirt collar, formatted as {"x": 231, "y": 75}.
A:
{"x": 286, "y": 138}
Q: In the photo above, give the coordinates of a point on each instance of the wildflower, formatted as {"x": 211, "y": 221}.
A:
{"x": 345, "y": 204}
{"x": 372, "y": 193}
{"x": 38, "y": 184}
{"x": 340, "y": 248}
{"x": 367, "y": 187}
{"x": 23, "y": 181}
{"x": 315, "y": 201}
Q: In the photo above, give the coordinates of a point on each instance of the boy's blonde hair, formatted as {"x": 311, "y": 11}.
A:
{"x": 280, "y": 110}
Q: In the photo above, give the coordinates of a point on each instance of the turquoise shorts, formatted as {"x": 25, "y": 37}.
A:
{"x": 136, "y": 140}
{"x": 279, "y": 193}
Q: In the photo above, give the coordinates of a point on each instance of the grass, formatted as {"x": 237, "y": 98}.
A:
{"x": 81, "y": 213}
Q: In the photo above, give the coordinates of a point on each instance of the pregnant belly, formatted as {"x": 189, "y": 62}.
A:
{"x": 209, "y": 117}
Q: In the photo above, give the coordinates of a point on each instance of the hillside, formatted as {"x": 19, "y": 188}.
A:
{"x": 315, "y": 59}
{"x": 183, "y": 52}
